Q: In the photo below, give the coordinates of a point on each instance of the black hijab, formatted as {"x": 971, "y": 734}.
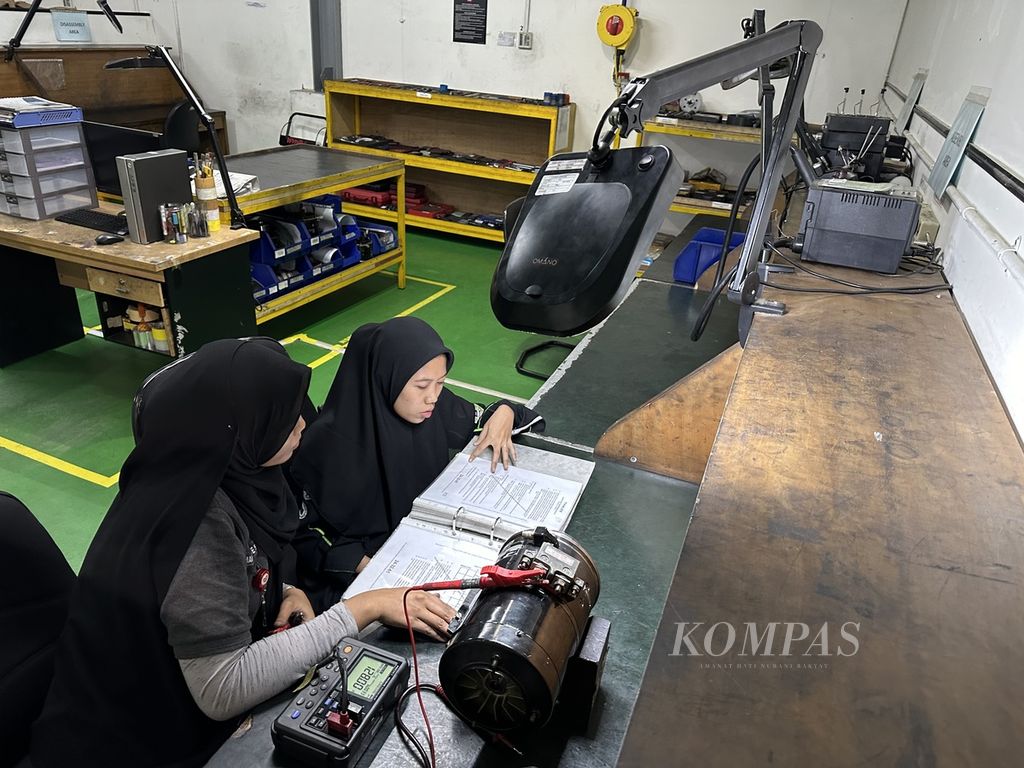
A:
{"x": 203, "y": 422}
{"x": 33, "y": 609}
{"x": 361, "y": 463}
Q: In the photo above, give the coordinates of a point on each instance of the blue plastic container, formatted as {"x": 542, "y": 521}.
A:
{"x": 383, "y": 237}
{"x": 701, "y": 252}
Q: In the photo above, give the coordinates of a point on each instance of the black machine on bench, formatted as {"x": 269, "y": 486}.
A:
{"x": 858, "y": 224}
{"x": 849, "y": 221}
{"x": 494, "y": 672}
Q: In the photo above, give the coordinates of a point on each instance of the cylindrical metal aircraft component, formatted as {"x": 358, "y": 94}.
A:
{"x": 505, "y": 665}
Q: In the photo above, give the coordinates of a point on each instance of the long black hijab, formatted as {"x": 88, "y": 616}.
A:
{"x": 361, "y": 463}
{"x": 33, "y": 609}
{"x": 206, "y": 421}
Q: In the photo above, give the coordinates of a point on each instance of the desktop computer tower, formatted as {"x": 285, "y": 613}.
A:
{"x": 149, "y": 180}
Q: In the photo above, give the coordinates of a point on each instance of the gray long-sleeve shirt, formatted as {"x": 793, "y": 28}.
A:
{"x": 209, "y": 610}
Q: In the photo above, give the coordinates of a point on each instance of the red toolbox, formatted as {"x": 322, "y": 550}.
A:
{"x": 366, "y": 196}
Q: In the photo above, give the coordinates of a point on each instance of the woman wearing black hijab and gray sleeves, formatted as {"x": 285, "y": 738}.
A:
{"x": 170, "y": 635}
{"x": 384, "y": 434}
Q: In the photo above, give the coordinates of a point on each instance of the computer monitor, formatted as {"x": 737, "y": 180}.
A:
{"x": 106, "y": 142}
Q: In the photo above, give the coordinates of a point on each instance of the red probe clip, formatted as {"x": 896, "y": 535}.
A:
{"x": 491, "y": 577}
{"x": 496, "y": 576}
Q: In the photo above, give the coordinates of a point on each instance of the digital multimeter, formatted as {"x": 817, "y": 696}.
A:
{"x": 307, "y": 729}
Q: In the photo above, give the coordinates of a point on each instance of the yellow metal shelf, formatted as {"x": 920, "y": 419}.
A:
{"x": 425, "y": 222}
{"x": 437, "y": 164}
{"x": 277, "y": 307}
{"x": 454, "y": 228}
{"x": 697, "y": 130}
{"x": 695, "y": 209}
{"x": 508, "y": 106}
{"x": 708, "y": 210}
{"x": 372, "y": 212}
{"x": 469, "y": 123}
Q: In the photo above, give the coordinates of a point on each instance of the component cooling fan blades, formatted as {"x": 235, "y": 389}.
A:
{"x": 491, "y": 696}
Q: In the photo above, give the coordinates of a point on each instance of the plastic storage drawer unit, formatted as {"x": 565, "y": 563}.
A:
{"x": 44, "y": 171}
{"x": 44, "y": 183}
{"x": 39, "y": 138}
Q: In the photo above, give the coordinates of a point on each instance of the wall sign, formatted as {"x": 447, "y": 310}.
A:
{"x": 71, "y": 26}
{"x": 470, "y": 22}
{"x": 955, "y": 146}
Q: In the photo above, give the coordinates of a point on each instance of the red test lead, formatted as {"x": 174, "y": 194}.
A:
{"x": 491, "y": 576}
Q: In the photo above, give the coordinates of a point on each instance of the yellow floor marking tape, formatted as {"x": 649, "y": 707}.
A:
{"x": 333, "y": 350}
{"x": 59, "y": 464}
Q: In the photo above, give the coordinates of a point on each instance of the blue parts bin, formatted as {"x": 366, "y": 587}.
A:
{"x": 701, "y": 252}
{"x": 302, "y": 243}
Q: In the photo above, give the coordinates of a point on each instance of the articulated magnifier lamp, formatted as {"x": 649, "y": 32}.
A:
{"x": 159, "y": 57}
{"x": 590, "y": 217}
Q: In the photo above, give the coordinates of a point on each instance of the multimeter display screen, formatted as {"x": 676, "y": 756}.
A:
{"x": 368, "y": 675}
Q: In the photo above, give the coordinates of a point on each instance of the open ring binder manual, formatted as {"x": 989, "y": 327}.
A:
{"x": 459, "y": 523}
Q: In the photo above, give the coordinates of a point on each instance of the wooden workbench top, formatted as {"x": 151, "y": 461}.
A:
{"x": 865, "y": 477}
{"x": 68, "y": 242}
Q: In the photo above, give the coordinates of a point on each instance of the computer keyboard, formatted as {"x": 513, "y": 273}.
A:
{"x": 104, "y": 222}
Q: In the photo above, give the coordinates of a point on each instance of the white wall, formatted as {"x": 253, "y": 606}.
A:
{"x": 964, "y": 44}
{"x": 137, "y": 29}
{"x": 411, "y": 41}
{"x": 242, "y": 56}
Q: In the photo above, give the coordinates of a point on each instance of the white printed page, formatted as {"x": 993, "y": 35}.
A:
{"x": 520, "y": 497}
{"x": 417, "y": 553}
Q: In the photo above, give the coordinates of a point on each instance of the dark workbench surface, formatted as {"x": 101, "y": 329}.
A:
{"x": 643, "y": 348}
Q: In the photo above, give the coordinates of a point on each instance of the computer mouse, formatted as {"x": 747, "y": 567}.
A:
{"x": 108, "y": 239}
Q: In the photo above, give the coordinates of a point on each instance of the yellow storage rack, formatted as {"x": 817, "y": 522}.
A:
{"x": 500, "y": 127}
{"x": 299, "y": 172}
{"x": 695, "y": 129}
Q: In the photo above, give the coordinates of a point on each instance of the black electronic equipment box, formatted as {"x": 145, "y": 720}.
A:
{"x": 858, "y": 224}
{"x": 308, "y": 728}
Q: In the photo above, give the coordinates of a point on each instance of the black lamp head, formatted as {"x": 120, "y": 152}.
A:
{"x": 138, "y": 62}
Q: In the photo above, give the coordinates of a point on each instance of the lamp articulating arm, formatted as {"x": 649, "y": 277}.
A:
{"x": 643, "y": 97}
{"x": 159, "y": 52}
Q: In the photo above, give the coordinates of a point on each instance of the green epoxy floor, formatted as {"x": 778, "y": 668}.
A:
{"x": 73, "y": 403}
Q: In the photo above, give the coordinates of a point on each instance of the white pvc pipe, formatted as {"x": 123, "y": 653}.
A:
{"x": 1008, "y": 256}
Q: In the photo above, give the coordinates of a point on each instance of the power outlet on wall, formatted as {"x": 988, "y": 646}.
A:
{"x": 525, "y": 40}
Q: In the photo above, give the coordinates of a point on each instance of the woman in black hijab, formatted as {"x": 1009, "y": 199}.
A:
{"x": 33, "y": 609}
{"x": 383, "y": 435}
{"x": 167, "y": 640}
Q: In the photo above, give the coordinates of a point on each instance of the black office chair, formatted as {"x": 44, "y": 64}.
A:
{"x": 37, "y": 584}
{"x": 512, "y": 212}
{"x": 181, "y": 128}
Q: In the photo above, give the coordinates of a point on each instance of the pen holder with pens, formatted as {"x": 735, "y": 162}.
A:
{"x": 206, "y": 191}
{"x": 181, "y": 221}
